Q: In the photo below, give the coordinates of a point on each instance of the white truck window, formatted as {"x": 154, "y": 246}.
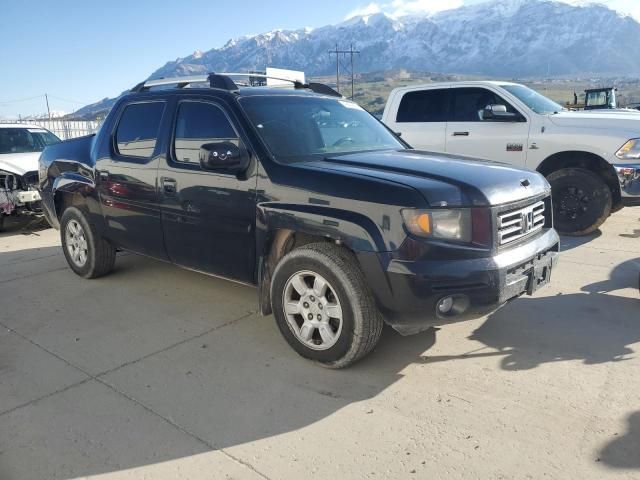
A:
{"x": 424, "y": 106}
{"x": 467, "y": 104}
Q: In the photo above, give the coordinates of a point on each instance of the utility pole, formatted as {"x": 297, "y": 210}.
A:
{"x": 46, "y": 98}
{"x": 341, "y": 55}
{"x": 352, "y": 73}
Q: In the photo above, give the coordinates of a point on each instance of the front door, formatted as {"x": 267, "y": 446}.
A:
{"x": 126, "y": 179}
{"x": 208, "y": 217}
{"x": 468, "y": 134}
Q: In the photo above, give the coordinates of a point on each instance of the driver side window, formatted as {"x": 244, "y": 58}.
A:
{"x": 199, "y": 123}
{"x": 467, "y": 104}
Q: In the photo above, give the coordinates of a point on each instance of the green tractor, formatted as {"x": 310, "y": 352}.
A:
{"x": 600, "y": 98}
{"x": 595, "y": 99}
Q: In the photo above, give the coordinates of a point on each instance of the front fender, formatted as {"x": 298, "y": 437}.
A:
{"x": 355, "y": 230}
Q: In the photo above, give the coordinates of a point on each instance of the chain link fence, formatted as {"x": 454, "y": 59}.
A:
{"x": 64, "y": 129}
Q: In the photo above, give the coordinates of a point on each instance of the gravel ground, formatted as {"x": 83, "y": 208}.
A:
{"x": 157, "y": 372}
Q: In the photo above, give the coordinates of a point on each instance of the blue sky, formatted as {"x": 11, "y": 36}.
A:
{"x": 81, "y": 51}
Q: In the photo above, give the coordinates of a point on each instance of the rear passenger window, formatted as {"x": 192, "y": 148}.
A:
{"x": 423, "y": 106}
{"x": 199, "y": 123}
{"x": 137, "y": 131}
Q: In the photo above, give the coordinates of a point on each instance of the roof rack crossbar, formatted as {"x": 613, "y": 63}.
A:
{"x": 224, "y": 81}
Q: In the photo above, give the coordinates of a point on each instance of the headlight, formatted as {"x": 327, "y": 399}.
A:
{"x": 464, "y": 225}
{"x": 630, "y": 150}
{"x": 454, "y": 224}
{"x": 8, "y": 181}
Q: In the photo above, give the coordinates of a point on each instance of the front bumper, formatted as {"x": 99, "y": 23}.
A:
{"x": 629, "y": 177}
{"x": 408, "y": 293}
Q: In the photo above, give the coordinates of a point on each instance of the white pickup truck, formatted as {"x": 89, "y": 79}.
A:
{"x": 590, "y": 158}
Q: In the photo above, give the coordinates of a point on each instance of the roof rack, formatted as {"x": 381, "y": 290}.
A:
{"x": 223, "y": 81}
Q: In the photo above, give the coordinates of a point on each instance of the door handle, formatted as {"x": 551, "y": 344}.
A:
{"x": 460, "y": 134}
{"x": 169, "y": 185}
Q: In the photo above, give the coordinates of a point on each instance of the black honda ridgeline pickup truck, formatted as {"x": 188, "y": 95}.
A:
{"x": 302, "y": 193}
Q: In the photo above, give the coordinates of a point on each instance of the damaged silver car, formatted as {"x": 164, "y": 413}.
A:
{"x": 20, "y": 147}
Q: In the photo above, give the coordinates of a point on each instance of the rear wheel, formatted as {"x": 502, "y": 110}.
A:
{"x": 87, "y": 253}
{"x": 323, "y": 305}
{"x": 581, "y": 200}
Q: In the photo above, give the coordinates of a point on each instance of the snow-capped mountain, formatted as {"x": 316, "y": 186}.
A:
{"x": 506, "y": 38}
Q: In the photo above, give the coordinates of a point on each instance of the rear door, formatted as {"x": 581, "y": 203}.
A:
{"x": 126, "y": 179}
{"x": 208, "y": 217}
{"x": 421, "y": 118}
{"x": 468, "y": 134}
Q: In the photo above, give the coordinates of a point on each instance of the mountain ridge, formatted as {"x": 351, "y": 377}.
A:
{"x": 505, "y": 38}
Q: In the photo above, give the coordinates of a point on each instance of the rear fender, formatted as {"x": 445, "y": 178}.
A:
{"x": 72, "y": 189}
{"x": 66, "y": 170}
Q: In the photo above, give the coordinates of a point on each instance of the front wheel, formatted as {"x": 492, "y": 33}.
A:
{"x": 581, "y": 201}
{"x": 323, "y": 306}
{"x": 87, "y": 253}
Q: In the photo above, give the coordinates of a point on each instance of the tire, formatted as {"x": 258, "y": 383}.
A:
{"x": 356, "y": 323}
{"x": 2, "y": 215}
{"x": 581, "y": 201}
{"x": 87, "y": 253}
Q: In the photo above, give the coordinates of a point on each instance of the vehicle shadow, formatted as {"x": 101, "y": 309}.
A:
{"x": 23, "y": 225}
{"x": 624, "y": 451}
{"x": 232, "y": 385}
{"x": 635, "y": 234}
{"x": 624, "y": 275}
{"x": 594, "y": 327}
{"x": 237, "y": 383}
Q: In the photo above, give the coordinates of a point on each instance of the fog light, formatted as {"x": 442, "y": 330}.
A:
{"x": 452, "y": 305}
{"x": 445, "y": 305}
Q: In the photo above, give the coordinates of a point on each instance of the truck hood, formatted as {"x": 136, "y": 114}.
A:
{"x": 445, "y": 179}
{"x": 19, "y": 163}
{"x": 609, "y": 119}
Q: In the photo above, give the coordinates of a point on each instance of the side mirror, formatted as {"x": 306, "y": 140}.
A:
{"x": 223, "y": 156}
{"x": 498, "y": 113}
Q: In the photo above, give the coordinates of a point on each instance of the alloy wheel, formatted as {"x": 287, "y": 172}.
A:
{"x": 312, "y": 310}
{"x": 76, "y": 243}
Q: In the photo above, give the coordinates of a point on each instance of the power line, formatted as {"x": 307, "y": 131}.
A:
{"x": 6, "y": 102}
{"x": 18, "y": 100}
{"x": 69, "y": 100}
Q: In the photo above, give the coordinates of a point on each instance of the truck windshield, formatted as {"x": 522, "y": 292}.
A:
{"x": 532, "y": 99}
{"x": 301, "y": 128}
{"x": 25, "y": 140}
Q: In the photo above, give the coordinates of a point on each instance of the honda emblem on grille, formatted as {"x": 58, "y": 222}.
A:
{"x": 527, "y": 221}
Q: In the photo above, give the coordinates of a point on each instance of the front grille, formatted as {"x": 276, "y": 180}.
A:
{"x": 516, "y": 224}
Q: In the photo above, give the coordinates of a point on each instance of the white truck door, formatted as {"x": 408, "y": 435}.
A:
{"x": 420, "y": 117}
{"x": 467, "y": 133}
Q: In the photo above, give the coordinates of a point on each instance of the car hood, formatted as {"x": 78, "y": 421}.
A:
{"x": 607, "y": 119}
{"x": 444, "y": 179}
{"x": 19, "y": 163}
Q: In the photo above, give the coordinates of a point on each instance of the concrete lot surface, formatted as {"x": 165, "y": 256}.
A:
{"x": 156, "y": 372}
